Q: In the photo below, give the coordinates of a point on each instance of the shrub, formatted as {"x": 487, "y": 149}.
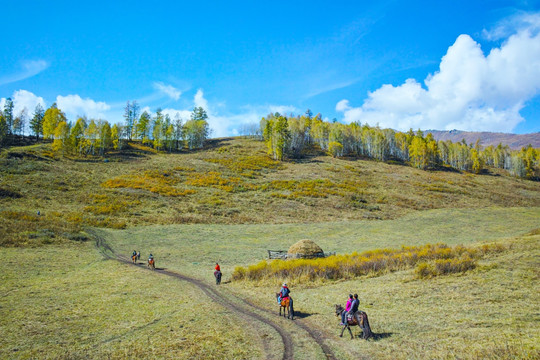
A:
{"x": 445, "y": 266}
{"x": 430, "y": 259}
{"x": 158, "y": 182}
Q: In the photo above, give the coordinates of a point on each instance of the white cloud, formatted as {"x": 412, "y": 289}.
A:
{"x": 469, "y": 92}
{"x": 200, "y": 101}
{"x": 75, "y": 106}
{"x": 168, "y": 90}
{"x": 23, "y": 99}
{"x": 513, "y": 24}
{"x": 282, "y": 109}
{"x": 28, "y": 69}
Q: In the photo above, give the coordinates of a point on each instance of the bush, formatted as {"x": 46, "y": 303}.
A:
{"x": 430, "y": 260}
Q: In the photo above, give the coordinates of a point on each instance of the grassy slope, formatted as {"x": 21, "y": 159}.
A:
{"x": 420, "y": 317}
{"x": 64, "y": 191}
{"x": 192, "y": 248}
{"x": 490, "y": 312}
{"x": 66, "y": 302}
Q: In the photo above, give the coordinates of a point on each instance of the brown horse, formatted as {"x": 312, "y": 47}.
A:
{"x": 152, "y": 264}
{"x": 134, "y": 259}
{"x": 364, "y": 323}
{"x": 287, "y": 305}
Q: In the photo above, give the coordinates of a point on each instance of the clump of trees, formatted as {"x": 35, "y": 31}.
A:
{"x": 291, "y": 136}
{"x": 96, "y": 136}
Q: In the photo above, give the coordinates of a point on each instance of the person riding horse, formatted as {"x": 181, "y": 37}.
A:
{"x": 347, "y": 308}
{"x": 354, "y": 317}
{"x": 217, "y": 274}
{"x": 151, "y": 262}
{"x": 283, "y": 293}
{"x": 285, "y": 302}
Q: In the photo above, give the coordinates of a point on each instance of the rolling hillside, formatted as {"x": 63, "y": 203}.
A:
{"x": 231, "y": 181}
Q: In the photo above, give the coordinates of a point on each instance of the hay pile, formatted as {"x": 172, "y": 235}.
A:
{"x": 304, "y": 248}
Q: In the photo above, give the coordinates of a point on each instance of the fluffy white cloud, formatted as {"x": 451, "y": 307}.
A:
{"x": 23, "y": 99}
{"x": 75, "y": 106}
{"x": 168, "y": 90}
{"x": 469, "y": 92}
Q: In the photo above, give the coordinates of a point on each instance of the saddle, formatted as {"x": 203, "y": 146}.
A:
{"x": 351, "y": 320}
{"x": 285, "y": 301}
{"x": 150, "y": 261}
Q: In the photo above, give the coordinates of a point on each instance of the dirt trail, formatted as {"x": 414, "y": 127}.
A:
{"x": 243, "y": 311}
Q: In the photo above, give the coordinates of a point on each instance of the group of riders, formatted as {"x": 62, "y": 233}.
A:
{"x": 136, "y": 255}
{"x": 349, "y": 316}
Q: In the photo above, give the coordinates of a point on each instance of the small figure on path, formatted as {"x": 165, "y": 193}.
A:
{"x": 217, "y": 274}
{"x": 151, "y": 262}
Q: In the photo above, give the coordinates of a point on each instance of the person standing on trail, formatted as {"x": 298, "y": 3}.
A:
{"x": 347, "y": 308}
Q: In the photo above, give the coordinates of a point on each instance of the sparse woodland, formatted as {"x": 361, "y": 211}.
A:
{"x": 95, "y": 137}
{"x": 292, "y": 136}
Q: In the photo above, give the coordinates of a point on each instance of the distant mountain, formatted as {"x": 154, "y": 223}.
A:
{"x": 515, "y": 141}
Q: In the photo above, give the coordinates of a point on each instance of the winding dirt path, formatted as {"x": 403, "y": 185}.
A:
{"x": 246, "y": 311}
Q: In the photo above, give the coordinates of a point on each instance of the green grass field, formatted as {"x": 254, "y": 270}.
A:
{"x": 60, "y": 298}
{"x": 474, "y": 315}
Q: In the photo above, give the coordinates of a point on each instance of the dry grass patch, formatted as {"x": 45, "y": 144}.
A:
{"x": 442, "y": 260}
{"x": 155, "y": 181}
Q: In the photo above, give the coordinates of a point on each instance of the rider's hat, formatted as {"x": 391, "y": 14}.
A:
{"x": 284, "y": 284}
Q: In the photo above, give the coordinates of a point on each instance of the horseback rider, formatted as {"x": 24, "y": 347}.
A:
{"x": 217, "y": 274}
{"x": 134, "y": 254}
{"x": 150, "y": 257}
{"x": 354, "y": 309}
{"x": 347, "y": 308}
{"x": 283, "y": 293}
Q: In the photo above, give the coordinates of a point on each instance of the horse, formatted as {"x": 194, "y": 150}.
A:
{"x": 217, "y": 274}
{"x": 134, "y": 258}
{"x": 152, "y": 264}
{"x": 364, "y": 323}
{"x": 287, "y": 305}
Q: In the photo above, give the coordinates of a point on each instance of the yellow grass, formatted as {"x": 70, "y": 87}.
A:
{"x": 443, "y": 260}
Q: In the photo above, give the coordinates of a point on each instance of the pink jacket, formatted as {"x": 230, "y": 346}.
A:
{"x": 348, "y": 305}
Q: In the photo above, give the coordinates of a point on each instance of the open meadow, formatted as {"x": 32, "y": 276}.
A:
{"x": 68, "y": 291}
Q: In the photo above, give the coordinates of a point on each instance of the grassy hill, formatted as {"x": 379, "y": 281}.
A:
{"x": 63, "y": 297}
{"x": 232, "y": 181}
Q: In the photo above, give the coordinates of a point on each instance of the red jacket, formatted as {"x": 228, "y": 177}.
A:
{"x": 217, "y": 267}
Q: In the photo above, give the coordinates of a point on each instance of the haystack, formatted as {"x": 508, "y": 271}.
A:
{"x": 304, "y": 248}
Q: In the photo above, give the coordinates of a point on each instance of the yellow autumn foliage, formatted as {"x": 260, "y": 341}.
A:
{"x": 445, "y": 260}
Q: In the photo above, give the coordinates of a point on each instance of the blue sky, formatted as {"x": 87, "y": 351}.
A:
{"x": 471, "y": 65}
